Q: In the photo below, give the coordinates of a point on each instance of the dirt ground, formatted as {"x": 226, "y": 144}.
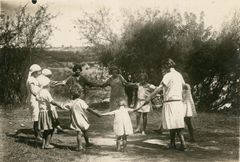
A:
{"x": 217, "y": 138}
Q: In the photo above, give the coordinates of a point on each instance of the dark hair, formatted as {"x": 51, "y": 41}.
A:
{"x": 112, "y": 68}
{"x": 170, "y": 63}
{"x": 77, "y": 66}
{"x": 144, "y": 74}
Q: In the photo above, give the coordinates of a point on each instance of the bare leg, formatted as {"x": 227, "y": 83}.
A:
{"x": 181, "y": 138}
{"x": 79, "y": 141}
{"x": 124, "y": 143}
{"x": 86, "y": 138}
{"x": 118, "y": 143}
{"x": 48, "y": 139}
{"x": 190, "y": 128}
{"x": 138, "y": 117}
{"x": 172, "y": 139}
{"x": 144, "y": 122}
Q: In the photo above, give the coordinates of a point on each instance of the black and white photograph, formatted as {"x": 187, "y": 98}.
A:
{"x": 119, "y": 80}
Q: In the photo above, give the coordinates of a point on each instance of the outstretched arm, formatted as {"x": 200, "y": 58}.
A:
{"x": 94, "y": 112}
{"x": 57, "y": 104}
{"x": 108, "y": 113}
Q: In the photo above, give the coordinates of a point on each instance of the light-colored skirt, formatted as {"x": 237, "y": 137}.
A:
{"x": 122, "y": 124}
{"x": 45, "y": 121}
{"x": 190, "y": 109}
{"x": 79, "y": 121}
{"x": 173, "y": 114}
{"x": 34, "y": 109}
{"x": 145, "y": 108}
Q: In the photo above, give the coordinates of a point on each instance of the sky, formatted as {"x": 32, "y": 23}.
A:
{"x": 216, "y": 11}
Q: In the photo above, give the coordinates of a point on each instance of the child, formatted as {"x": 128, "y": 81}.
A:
{"x": 45, "y": 114}
{"x": 144, "y": 90}
{"x": 33, "y": 89}
{"x": 79, "y": 120}
{"x": 190, "y": 110}
{"x": 56, "y": 124}
{"x": 122, "y": 125}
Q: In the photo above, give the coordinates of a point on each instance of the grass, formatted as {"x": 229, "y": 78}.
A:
{"x": 217, "y": 138}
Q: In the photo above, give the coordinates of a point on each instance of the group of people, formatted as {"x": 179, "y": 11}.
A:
{"x": 178, "y": 105}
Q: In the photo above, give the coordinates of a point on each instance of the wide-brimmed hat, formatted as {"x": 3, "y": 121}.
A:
{"x": 43, "y": 81}
{"x": 46, "y": 72}
{"x": 34, "y": 68}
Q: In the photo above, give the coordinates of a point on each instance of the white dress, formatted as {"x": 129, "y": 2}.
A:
{"x": 189, "y": 103}
{"x": 122, "y": 123}
{"x": 143, "y": 92}
{"x": 33, "y": 88}
{"x": 79, "y": 120}
{"x": 173, "y": 111}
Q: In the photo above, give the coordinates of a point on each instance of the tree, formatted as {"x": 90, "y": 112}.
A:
{"x": 20, "y": 37}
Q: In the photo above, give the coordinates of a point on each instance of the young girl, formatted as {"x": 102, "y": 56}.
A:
{"x": 79, "y": 120}
{"x": 144, "y": 90}
{"x": 45, "y": 114}
{"x": 190, "y": 110}
{"x": 56, "y": 124}
{"x": 122, "y": 124}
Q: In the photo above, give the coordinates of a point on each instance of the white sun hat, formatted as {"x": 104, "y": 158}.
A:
{"x": 43, "y": 81}
{"x": 34, "y": 68}
{"x": 46, "y": 72}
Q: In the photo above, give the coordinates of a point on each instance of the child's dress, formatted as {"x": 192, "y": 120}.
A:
{"x": 122, "y": 123}
{"x": 189, "y": 103}
{"x": 143, "y": 92}
{"x": 45, "y": 114}
{"x": 79, "y": 120}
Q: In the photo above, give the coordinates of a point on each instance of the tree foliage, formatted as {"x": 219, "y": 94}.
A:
{"x": 210, "y": 58}
{"x": 20, "y": 36}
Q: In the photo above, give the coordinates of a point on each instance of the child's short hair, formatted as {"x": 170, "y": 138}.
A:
{"x": 76, "y": 92}
{"x": 122, "y": 103}
{"x": 77, "y": 66}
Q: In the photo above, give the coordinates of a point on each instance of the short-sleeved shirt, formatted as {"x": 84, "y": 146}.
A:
{"x": 173, "y": 82}
{"x": 44, "y": 99}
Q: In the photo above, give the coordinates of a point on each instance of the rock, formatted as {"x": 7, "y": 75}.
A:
{"x": 22, "y": 125}
{"x": 10, "y": 123}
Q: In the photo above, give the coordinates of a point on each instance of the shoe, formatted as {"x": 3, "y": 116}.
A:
{"x": 38, "y": 138}
{"x": 80, "y": 149}
{"x": 89, "y": 144}
{"x": 143, "y": 133}
{"x": 182, "y": 148}
{"x": 171, "y": 146}
{"x": 137, "y": 131}
{"x": 49, "y": 146}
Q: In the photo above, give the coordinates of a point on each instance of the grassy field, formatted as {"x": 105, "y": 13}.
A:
{"x": 217, "y": 138}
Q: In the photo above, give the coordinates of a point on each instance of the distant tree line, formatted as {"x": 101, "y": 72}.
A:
{"x": 209, "y": 60}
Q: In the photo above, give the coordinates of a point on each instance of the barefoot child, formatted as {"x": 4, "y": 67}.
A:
{"x": 45, "y": 122}
{"x": 190, "y": 110}
{"x": 79, "y": 120}
{"x": 122, "y": 124}
{"x": 143, "y": 91}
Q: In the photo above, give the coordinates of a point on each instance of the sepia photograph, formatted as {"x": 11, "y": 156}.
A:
{"x": 119, "y": 80}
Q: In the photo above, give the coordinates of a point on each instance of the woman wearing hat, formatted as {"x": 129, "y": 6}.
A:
{"x": 117, "y": 84}
{"x": 33, "y": 89}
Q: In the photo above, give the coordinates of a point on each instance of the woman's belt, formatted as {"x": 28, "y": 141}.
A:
{"x": 171, "y": 101}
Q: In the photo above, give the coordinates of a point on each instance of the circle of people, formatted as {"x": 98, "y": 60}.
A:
{"x": 178, "y": 106}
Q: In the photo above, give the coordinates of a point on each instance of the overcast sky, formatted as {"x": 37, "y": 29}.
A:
{"x": 216, "y": 11}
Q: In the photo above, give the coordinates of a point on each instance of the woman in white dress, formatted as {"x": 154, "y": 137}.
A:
{"x": 33, "y": 89}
